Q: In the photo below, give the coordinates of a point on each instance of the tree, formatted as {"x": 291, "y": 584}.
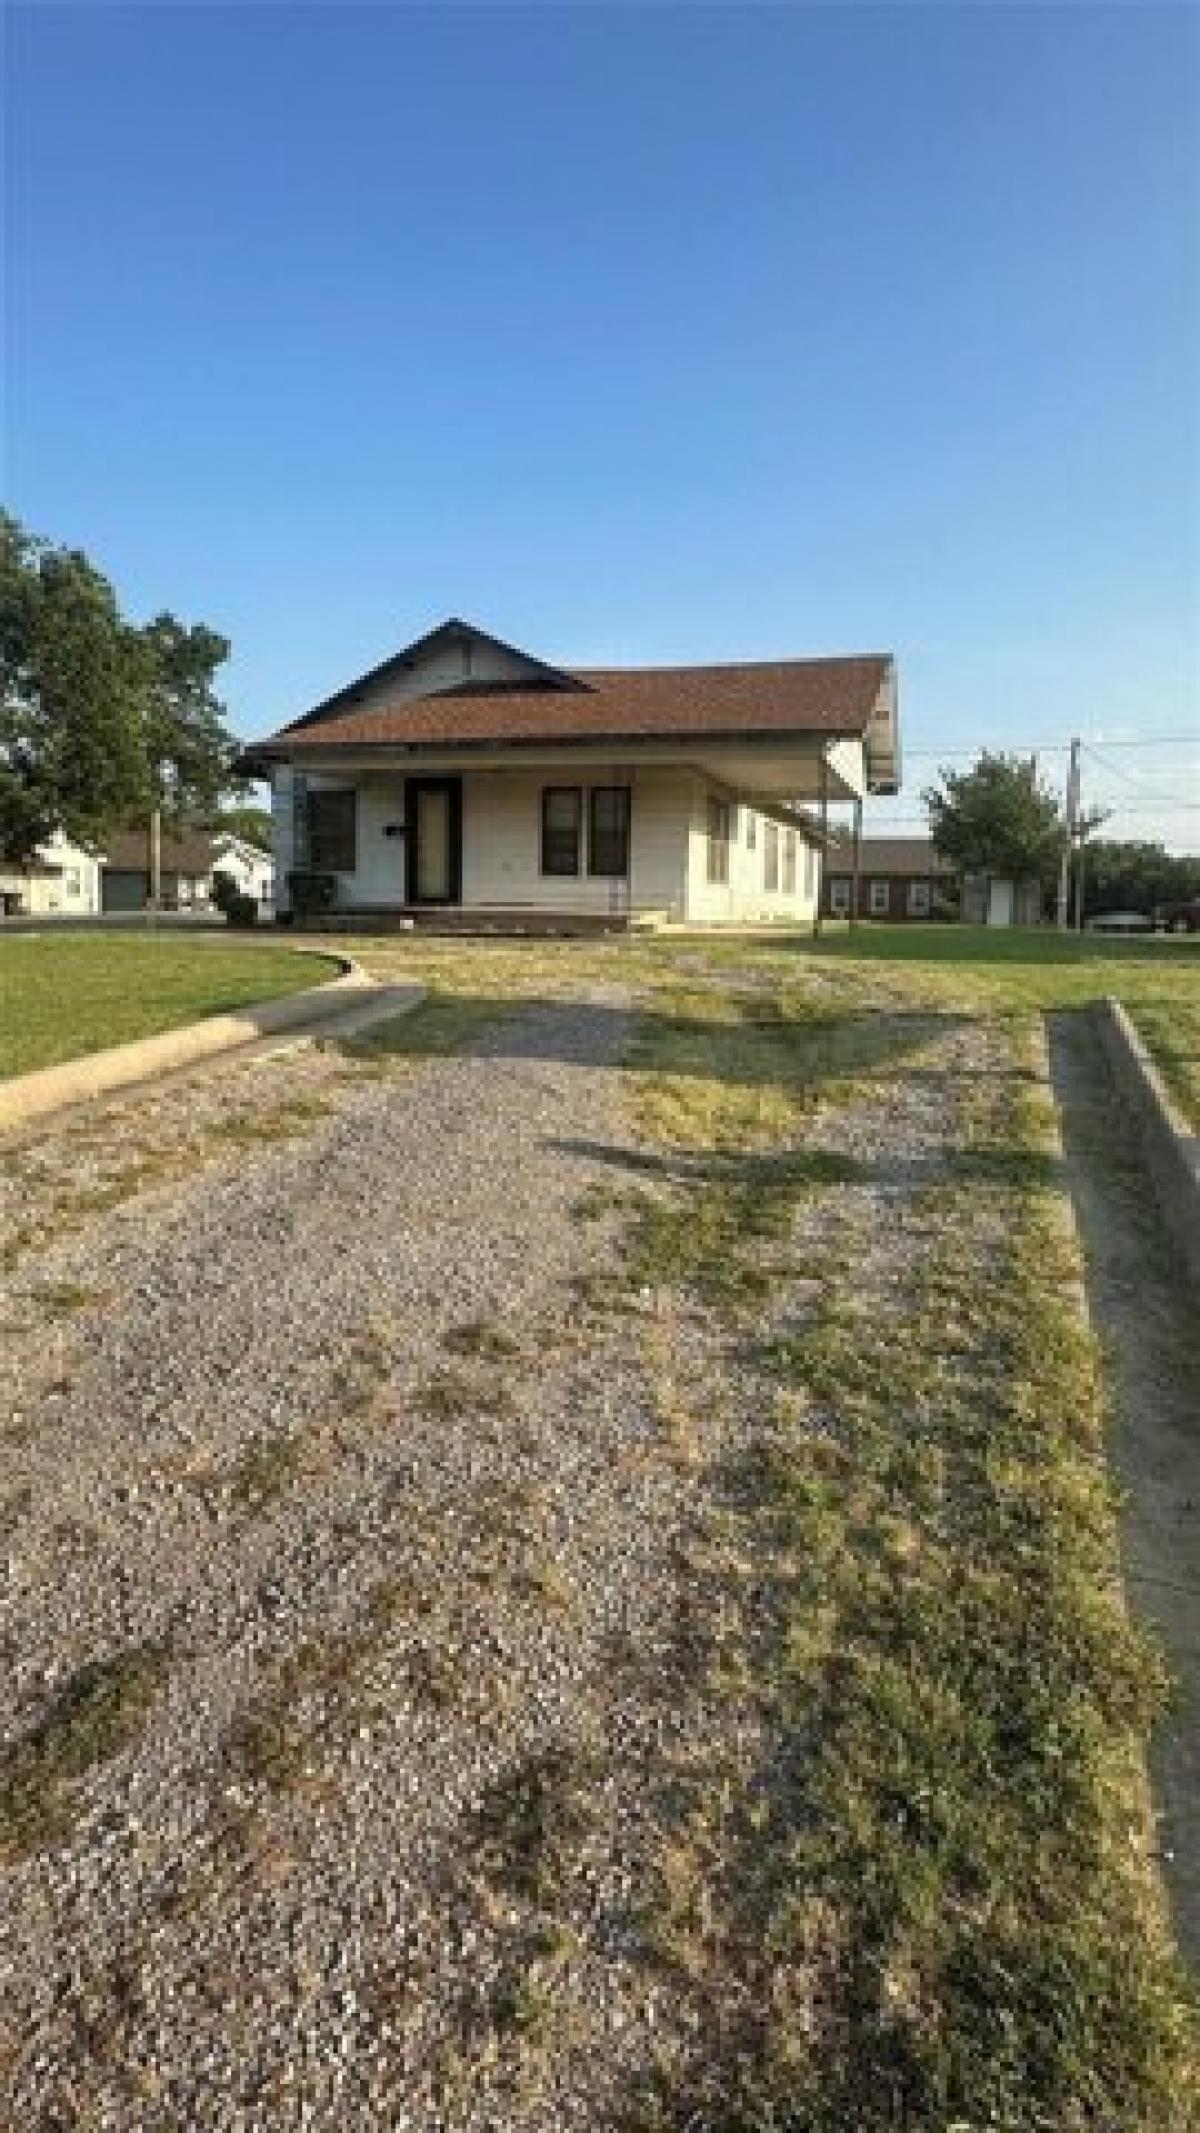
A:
{"x": 253, "y": 824}
{"x": 1137, "y": 876}
{"x": 189, "y": 748}
{"x": 99, "y": 720}
{"x": 996, "y": 818}
{"x": 73, "y": 697}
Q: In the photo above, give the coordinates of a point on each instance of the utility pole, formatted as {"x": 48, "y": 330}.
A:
{"x": 1064, "y": 869}
{"x": 156, "y": 859}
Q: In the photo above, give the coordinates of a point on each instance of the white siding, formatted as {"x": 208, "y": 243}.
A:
{"x": 744, "y": 896}
{"x": 71, "y": 890}
{"x": 502, "y": 828}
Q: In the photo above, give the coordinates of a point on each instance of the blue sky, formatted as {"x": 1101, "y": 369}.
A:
{"x": 633, "y": 334}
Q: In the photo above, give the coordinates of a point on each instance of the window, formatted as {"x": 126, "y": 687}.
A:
{"x": 810, "y": 870}
{"x": 72, "y": 881}
{"x": 562, "y": 819}
{"x": 333, "y": 832}
{"x": 789, "y": 862}
{"x": 880, "y": 899}
{"x": 608, "y": 830}
{"x": 771, "y": 859}
{"x": 718, "y": 841}
{"x": 751, "y": 829}
{"x": 918, "y": 899}
{"x": 839, "y": 897}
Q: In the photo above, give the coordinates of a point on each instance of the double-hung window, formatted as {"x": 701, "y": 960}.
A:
{"x": 839, "y": 896}
{"x": 562, "y": 822}
{"x": 608, "y": 831}
{"x": 918, "y": 899}
{"x": 333, "y": 831}
{"x": 718, "y": 842}
{"x": 771, "y": 859}
{"x": 789, "y": 862}
{"x": 881, "y": 898}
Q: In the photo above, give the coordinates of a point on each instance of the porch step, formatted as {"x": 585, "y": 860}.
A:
{"x": 510, "y": 923}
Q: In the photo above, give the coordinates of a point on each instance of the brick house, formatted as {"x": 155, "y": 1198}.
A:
{"x": 899, "y": 878}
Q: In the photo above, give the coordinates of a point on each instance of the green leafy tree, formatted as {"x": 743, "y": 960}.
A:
{"x": 1132, "y": 876}
{"x": 996, "y": 818}
{"x": 74, "y": 697}
{"x": 189, "y": 748}
{"x": 252, "y": 824}
{"x": 99, "y": 721}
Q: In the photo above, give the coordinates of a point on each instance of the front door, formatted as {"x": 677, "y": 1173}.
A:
{"x": 434, "y": 817}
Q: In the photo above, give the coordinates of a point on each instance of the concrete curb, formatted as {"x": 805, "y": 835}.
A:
{"x": 57, "y": 1088}
{"x": 1171, "y": 1150}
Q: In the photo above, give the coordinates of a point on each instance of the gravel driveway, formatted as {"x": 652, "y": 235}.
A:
{"x": 347, "y": 1518}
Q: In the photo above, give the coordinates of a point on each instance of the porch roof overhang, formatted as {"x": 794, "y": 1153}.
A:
{"x": 775, "y": 768}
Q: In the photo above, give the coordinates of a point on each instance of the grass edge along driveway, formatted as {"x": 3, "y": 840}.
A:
{"x": 62, "y": 997}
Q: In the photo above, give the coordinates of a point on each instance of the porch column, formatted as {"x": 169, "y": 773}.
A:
{"x": 856, "y": 861}
{"x": 824, "y": 793}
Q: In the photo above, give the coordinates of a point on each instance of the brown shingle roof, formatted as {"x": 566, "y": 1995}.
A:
{"x": 907, "y": 856}
{"x": 128, "y": 851}
{"x": 829, "y": 696}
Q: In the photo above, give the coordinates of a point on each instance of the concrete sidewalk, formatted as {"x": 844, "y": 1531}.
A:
{"x": 1140, "y": 1303}
{"x": 341, "y": 1006}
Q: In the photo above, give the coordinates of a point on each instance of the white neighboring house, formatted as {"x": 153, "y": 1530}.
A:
{"x": 465, "y": 773}
{"x": 252, "y": 869}
{"x": 62, "y": 880}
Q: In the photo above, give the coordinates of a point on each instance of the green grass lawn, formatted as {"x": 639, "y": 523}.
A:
{"x": 61, "y": 997}
{"x": 1158, "y": 980}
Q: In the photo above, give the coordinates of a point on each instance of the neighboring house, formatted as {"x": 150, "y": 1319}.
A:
{"x": 62, "y": 880}
{"x": 464, "y": 773}
{"x": 898, "y": 878}
{"x": 996, "y": 900}
{"x": 250, "y": 868}
{"x": 186, "y": 871}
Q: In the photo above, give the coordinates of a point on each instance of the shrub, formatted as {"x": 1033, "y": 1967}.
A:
{"x": 241, "y": 911}
{"x": 224, "y": 890}
{"x": 310, "y": 892}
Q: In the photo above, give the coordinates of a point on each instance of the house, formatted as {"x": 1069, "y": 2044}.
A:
{"x": 465, "y": 775}
{"x": 62, "y": 880}
{"x": 251, "y": 870}
{"x": 186, "y": 871}
{"x": 186, "y": 868}
{"x": 898, "y": 878}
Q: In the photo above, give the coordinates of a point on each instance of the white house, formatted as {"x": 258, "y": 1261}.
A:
{"x": 247, "y": 865}
{"x": 62, "y": 880}
{"x": 465, "y": 774}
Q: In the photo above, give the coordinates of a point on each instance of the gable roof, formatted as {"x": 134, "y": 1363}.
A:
{"x": 834, "y": 697}
{"x": 908, "y": 856}
{"x": 128, "y": 852}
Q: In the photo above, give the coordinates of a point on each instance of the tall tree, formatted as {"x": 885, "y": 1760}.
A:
{"x": 99, "y": 720}
{"x": 74, "y": 702}
{"x": 996, "y": 817}
{"x": 189, "y": 748}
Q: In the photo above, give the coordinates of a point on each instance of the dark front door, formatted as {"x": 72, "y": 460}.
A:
{"x": 434, "y": 820}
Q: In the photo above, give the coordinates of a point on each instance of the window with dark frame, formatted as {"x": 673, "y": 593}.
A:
{"x": 608, "y": 831}
{"x": 771, "y": 859}
{"x": 562, "y": 820}
{"x": 718, "y": 842}
{"x": 789, "y": 862}
{"x": 333, "y": 831}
